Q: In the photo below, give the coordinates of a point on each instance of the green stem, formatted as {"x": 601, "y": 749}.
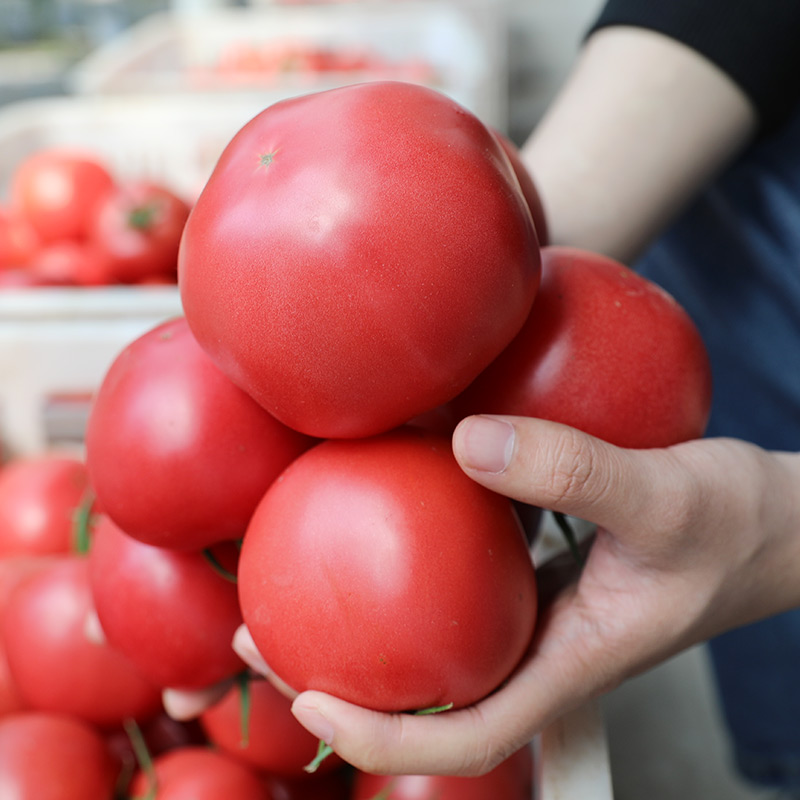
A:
{"x": 82, "y": 523}
{"x": 569, "y": 536}
{"x": 143, "y": 757}
{"x": 217, "y": 567}
{"x": 433, "y": 710}
{"x": 245, "y": 706}
{"x": 323, "y": 751}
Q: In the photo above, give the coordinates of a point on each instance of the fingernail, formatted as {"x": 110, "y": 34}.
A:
{"x": 313, "y": 721}
{"x": 245, "y": 648}
{"x": 487, "y": 444}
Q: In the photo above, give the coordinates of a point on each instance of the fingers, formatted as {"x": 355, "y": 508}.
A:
{"x": 551, "y": 465}
{"x": 185, "y": 705}
{"x": 246, "y": 649}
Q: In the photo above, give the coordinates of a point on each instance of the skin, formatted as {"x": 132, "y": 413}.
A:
{"x": 693, "y": 539}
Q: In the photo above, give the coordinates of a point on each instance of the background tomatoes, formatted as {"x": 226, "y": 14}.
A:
{"x": 58, "y": 191}
{"x": 603, "y": 350}
{"x": 178, "y": 455}
{"x": 138, "y": 228}
{"x": 358, "y": 256}
{"x": 39, "y": 497}
{"x": 377, "y": 571}
{"x": 54, "y": 757}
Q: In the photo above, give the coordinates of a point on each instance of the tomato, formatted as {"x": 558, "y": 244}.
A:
{"x": 58, "y": 191}
{"x": 138, "y": 228}
{"x": 275, "y": 741}
{"x": 178, "y": 455}
{"x": 200, "y": 774}
{"x": 604, "y": 350}
{"x": 358, "y": 256}
{"x": 510, "y": 780}
{"x": 326, "y": 786}
{"x": 39, "y": 496}
{"x": 170, "y": 612}
{"x": 377, "y": 571}
{"x": 526, "y": 183}
{"x": 54, "y": 757}
{"x": 19, "y": 241}
{"x": 53, "y": 663}
{"x": 70, "y": 263}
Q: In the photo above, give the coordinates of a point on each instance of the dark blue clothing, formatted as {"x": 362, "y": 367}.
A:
{"x": 733, "y": 261}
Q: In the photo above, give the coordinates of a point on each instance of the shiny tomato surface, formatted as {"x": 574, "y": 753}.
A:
{"x": 377, "y": 571}
{"x": 358, "y": 256}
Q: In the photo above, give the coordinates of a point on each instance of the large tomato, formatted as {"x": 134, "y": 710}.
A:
{"x": 604, "y": 350}
{"x": 510, "y": 780}
{"x": 58, "y": 191}
{"x": 267, "y": 737}
{"x": 169, "y": 611}
{"x": 377, "y": 571}
{"x": 39, "y": 496}
{"x": 47, "y": 756}
{"x": 358, "y": 256}
{"x": 178, "y": 455}
{"x": 55, "y": 666}
{"x": 138, "y": 229}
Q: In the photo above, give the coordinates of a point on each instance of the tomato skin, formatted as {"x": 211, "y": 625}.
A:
{"x": 55, "y": 666}
{"x": 54, "y": 757}
{"x": 198, "y": 773}
{"x": 39, "y": 496}
{"x": 604, "y": 350}
{"x": 19, "y": 241}
{"x": 277, "y": 743}
{"x": 178, "y": 455}
{"x": 528, "y": 186}
{"x": 138, "y": 228}
{"x": 354, "y": 241}
{"x": 168, "y": 611}
{"x": 58, "y": 190}
{"x": 70, "y": 263}
{"x": 375, "y": 570}
{"x": 510, "y": 780}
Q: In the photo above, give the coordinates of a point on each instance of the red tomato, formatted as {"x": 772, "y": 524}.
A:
{"x": 511, "y": 780}
{"x": 70, "y": 263}
{"x": 55, "y": 666}
{"x": 19, "y": 241}
{"x": 170, "y": 612}
{"x": 358, "y": 256}
{"x": 275, "y": 741}
{"x": 604, "y": 350}
{"x": 59, "y": 190}
{"x": 377, "y": 571}
{"x": 54, "y": 757}
{"x": 528, "y": 187}
{"x": 138, "y": 228}
{"x": 178, "y": 455}
{"x": 198, "y": 773}
{"x": 39, "y": 496}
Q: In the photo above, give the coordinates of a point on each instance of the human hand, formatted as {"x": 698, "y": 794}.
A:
{"x": 692, "y": 540}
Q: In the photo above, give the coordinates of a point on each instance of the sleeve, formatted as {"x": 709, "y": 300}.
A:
{"x": 755, "y": 42}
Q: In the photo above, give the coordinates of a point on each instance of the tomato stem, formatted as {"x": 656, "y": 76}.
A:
{"x": 217, "y": 567}
{"x": 81, "y": 524}
{"x": 143, "y": 757}
{"x": 245, "y": 705}
{"x": 141, "y": 218}
{"x": 433, "y": 710}
{"x": 569, "y": 537}
{"x": 323, "y": 751}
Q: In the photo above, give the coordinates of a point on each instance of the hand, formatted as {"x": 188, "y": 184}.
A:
{"x": 693, "y": 540}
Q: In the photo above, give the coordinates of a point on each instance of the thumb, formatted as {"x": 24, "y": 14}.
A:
{"x": 553, "y": 466}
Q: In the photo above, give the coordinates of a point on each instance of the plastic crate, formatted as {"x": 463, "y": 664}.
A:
{"x": 55, "y": 347}
{"x": 458, "y": 48}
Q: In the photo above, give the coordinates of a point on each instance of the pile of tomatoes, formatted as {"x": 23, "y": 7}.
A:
{"x": 365, "y": 267}
{"x": 68, "y": 220}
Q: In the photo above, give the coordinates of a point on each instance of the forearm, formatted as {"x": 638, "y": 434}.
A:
{"x": 640, "y": 126}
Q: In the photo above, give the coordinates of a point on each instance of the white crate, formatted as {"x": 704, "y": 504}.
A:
{"x": 57, "y": 343}
{"x": 175, "y": 139}
{"x": 464, "y": 43}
